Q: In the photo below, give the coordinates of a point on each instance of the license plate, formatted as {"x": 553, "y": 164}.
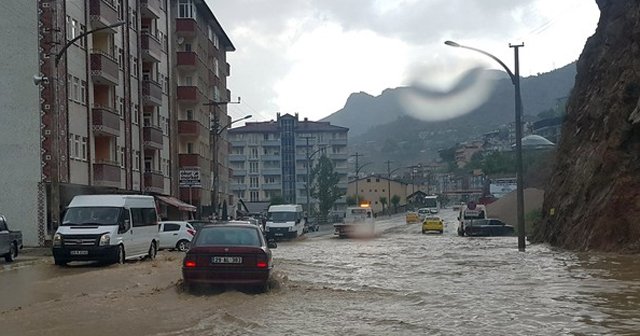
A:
{"x": 279, "y": 234}
{"x": 226, "y": 260}
{"x": 79, "y": 252}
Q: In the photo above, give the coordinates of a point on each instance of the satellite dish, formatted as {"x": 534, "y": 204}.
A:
{"x": 180, "y": 40}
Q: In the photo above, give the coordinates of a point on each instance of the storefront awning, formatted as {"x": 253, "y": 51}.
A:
{"x": 177, "y": 203}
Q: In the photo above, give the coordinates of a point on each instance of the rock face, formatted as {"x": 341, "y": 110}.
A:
{"x": 592, "y": 201}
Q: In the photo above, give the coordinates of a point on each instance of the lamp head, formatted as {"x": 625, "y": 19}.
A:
{"x": 38, "y": 79}
{"x": 451, "y": 44}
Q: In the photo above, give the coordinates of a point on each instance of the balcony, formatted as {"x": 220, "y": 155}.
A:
{"x": 154, "y": 181}
{"x": 191, "y": 128}
{"x": 238, "y": 186}
{"x": 338, "y": 156}
{"x": 187, "y": 60}
{"x": 151, "y": 93}
{"x": 271, "y": 143}
{"x": 103, "y": 13}
{"x": 238, "y": 143}
{"x": 338, "y": 142}
{"x": 151, "y": 48}
{"x": 188, "y": 94}
{"x": 270, "y": 157}
{"x": 186, "y": 27}
{"x": 192, "y": 160}
{"x": 150, "y": 8}
{"x": 105, "y": 121}
{"x": 239, "y": 172}
{"x": 237, "y": 157}
{"x": 104, "y": 68}
{"x": 153, "y": 138}
{"x": 272, "y": 186}
{"x": 271, "y": 171}
{"x": 106, "y": 174}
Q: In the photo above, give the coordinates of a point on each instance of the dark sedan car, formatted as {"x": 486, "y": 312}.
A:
{"x": 229, "y": 254}
{"x": 488, "y": 228}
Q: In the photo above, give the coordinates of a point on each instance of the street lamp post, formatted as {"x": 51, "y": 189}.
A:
{"x": 54, "y": 200}
{"x": 216, "y": 130}
{"x": 358, "y": 168}
{"x": 515, "y": 80}
{"x": 309, "y": 157}
{"x": 389, "y": 172}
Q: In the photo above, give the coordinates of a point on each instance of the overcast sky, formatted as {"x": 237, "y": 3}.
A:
{"x": 308, "y": 56}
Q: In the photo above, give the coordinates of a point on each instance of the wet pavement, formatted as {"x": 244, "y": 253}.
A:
{"x": 399, "y": 283}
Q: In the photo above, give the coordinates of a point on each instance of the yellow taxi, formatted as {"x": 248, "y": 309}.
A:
{"x": 412, "y": 217}
{"x": 433, "y": 223}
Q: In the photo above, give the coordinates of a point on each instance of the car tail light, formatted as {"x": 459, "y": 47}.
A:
{"x": 189, "y": 263}
{"x": 191, "y": 232}
{"x": 262, "y": 262}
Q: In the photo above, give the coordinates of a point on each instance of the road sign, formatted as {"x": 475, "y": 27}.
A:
{"x": 190, "y": 178}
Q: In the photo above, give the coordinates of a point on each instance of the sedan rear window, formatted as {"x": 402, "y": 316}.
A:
{"x": 231, "y": 236}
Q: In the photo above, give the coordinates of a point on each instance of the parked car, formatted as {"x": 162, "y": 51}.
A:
{"x": 488, "y": 227}
{"x": 10, "y": 241}
{"x": 199, "y": 223}
{"x": 175, "y": 235}
{"x": 229, "y": 254}
{"x": 412, "y": 217}
{"x": 432, "y": 223}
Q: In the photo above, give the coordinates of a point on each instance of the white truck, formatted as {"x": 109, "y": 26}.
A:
{"x": 107, "y": 228}
{"x": 285, "y": 221}
{"x": 468, "y": 213}
{"x": 358, "y": 222}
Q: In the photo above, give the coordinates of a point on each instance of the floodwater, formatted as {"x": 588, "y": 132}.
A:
{"x": 399, "y": 283}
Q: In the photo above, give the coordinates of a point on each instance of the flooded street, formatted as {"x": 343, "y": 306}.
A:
{"x": 400, "y": 283}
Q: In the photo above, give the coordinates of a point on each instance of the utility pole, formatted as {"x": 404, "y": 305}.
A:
{"x": 519, "y": 176}
{"x": 388, "y": 186}
{"x": 357, "y": 155}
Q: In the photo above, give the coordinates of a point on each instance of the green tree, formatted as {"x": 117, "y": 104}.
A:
{"x": 383, "y": 201}
{"x": 276, "y": 200}
{"x": 325, "y": 185}
{"x": 395, "y": 200}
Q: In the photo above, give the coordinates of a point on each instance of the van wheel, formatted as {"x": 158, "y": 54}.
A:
{"x": 153, "y": 251}
{"x": 182, "y": 245}
{"x": 120, "y": 257}
{"x": 13, "y": 253}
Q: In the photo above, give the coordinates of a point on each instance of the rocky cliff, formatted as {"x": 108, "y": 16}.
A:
{"x": 592, "y": 201}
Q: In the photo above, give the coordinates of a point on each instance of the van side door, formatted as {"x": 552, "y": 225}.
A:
{"x": 125, "y": 231}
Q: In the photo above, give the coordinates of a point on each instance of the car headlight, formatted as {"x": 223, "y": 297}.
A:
{"x": 105, "y": 240}
{"x": 266, "y": 229}
{"x": 292, "y": 228}
{"x": 57, "y": 240}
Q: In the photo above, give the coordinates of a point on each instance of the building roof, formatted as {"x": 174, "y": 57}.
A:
{"x": 273, "y": 126}
{"x": 378, "y": 177}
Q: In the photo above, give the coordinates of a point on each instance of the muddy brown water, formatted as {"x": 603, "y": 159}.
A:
{"x": 399, "y": 283}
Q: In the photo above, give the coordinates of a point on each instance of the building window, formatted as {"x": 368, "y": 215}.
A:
{"x": 84, "y": 149}
{"x": 254, "y": 196}
{"x": 76, "y": 147}
{"x": 253, "y": 167}
{"x": 120, "y": 57}
{"x": 253, "y": 182}
{"x": 81, "y": 41}
{"x": 83, "y": 92}
{"x": 254, "y": 152}
{"x": 216, "y": 41}
{"x": 74, "y": 29}
{"x": 136, "y": 114}
{"x": 189, "y": 114}
{"x": 137, "y": 163}
{"x": 216, "y": 67}
{"x": 120, "y": 10}
{"x": 377, "y": 180}
{"x": 186, "y": 9}
{"x": 121, "y": 106}
{"x": 189, "y": 147}
{"x": 121, "y": 157}
{"x": 76, "y": 89}
{"x": 135, "y": 67}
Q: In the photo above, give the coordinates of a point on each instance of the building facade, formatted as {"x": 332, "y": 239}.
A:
{"x": 372, "y": 188}
{"x": 104, "y": 116}
{"x": 200, "y": 79}
{"x": 269, "y": 159}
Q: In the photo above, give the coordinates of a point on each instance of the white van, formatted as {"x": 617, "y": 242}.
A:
{"x": 469, "y": 213}
{"x": 107, "y": 228}
{"x": 285, "y": 221}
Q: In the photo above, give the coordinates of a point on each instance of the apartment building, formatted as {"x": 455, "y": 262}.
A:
{"x": 200, "y": 72}
{"x": 105, "y": 115}
{"x": 269, "y": 159}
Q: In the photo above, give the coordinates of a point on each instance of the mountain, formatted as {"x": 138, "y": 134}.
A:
{"x": 381, "y": 127}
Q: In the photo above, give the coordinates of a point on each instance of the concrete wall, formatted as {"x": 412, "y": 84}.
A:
{"x": 19, "y": 118}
